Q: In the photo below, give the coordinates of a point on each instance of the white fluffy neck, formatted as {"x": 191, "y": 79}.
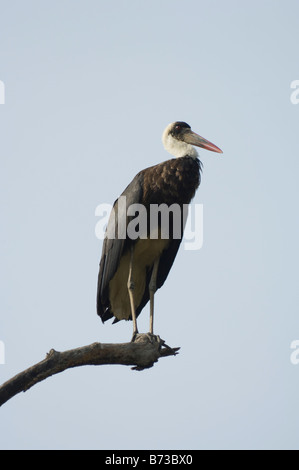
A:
{"x": 177, "y": 148}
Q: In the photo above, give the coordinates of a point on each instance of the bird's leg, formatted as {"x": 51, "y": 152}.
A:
{"x": 152, "y": 290}
{"x": 131, "y": 294}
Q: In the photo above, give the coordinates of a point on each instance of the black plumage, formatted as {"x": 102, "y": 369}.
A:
{"x": 174, "y": 181}
{"x": 171, "y": 182}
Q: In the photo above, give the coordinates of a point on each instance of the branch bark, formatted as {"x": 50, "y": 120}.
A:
{"x": 142, "y": 354}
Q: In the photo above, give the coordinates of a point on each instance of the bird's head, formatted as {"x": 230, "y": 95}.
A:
{"x": 178, "y": 139}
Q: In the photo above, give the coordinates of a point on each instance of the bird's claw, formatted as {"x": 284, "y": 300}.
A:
{"x": 148, "y": 337}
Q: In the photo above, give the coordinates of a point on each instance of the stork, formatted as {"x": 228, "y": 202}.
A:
{"x": 131, "y": 270}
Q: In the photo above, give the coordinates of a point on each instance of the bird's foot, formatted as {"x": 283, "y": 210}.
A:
{"x": 164, "y": 349}
{"x": 154, "y": 338}
{"x": 146, "y": 338}
{"x": 153, "y": 344}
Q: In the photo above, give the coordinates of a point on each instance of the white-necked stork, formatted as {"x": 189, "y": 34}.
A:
{"x": 131, "y": 270}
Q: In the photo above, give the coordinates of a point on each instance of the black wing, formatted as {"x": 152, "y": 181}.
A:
{"x": 113, "y": 248}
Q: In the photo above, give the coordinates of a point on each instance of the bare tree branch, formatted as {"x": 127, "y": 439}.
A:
{"x": 142, "y": 354}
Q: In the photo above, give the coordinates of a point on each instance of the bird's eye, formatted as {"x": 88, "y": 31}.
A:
{"x": 177, "y": 128}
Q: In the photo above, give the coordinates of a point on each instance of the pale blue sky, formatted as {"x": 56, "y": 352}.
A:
{"x": 90, "y": 87}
